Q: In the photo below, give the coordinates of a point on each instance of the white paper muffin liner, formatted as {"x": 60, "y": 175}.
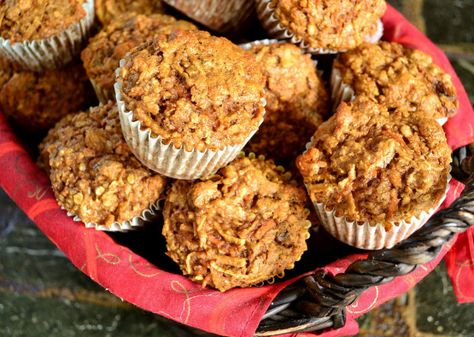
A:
{"x": 275, "y": 29}
{"x": 218, "y": 15}
{"x": 166, "y": 159}
{"x": 103, "y": 95}
{"x": 53, "y": 52}
{"x": 148, "y": 215}
{"x": 342, "y": 92}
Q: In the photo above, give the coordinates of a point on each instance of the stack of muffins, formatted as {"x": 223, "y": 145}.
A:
{"x": 178, "y": 105}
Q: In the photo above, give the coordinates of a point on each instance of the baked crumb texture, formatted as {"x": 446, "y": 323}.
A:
{"x": 245, "y": 225}
{"x": 36, "y": 101}
{"x": 296, "y": 102}
{"x": 105, "y": 50}
{"x": 196, "y": 91}
{"x": 93, "y": 173}
{"x": 328, "y": 24}
{"x": 26, "y": 20}
{"x": 373, "y": 166}
{"x": 109, "y": 10}
{"x": 399, "y": 77}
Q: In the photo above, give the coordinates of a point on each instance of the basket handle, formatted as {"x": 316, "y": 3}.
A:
{"x": 318, "y": 301}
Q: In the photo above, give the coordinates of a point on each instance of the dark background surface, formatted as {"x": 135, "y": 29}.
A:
{"x": 43, "y": 294}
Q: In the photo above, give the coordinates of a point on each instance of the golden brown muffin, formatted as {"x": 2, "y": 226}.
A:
{"x": 328, "y": 24}
{"x": 373, "y": 166}
{"x": 194, "y": 90}
{"x": 23, "y": 20}
{"x": 36, "y": 101}
{"x": 296, "y": 101}
{"x": 109, "y": 10}
{"x": 244, "y": 225}
{"x": 105, "y": 50}
{"x": 94, "y": 174}
{"x": 399, "y": 77}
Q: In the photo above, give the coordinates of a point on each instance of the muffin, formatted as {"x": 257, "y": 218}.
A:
{"x": 109, "y": 10}
{"x": 375, "y": 176}
{"x": 44, "y": 34}
{"x": 105, "y": 50}
{"x": 246, "y": 224}
{"x": 322, "y": 26}
{"x": 95, "y": 176}
{"x": 220, "y": 16}
{"x": 296, "y": 101}
{"x": 189, "y": 102}
{"x": 397, "y": 77}
{"x": 36, "y": 101}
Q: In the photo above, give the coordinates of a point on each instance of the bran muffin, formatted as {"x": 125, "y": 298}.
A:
{"x": 36, "y": 101}
{"x": 246, "y": 224}
{"x": 200, "y": 96}
{"x": 323, "y": 24}
{"x": 296, "y": 101}
{"x": 26, "y": 20}
{"x": 94, "y": 174}
{"x": 109, "y": 10}
{"x": 101, "y": 57}
{"x": 372, "y": 166}
{"x": 399, "y": 77}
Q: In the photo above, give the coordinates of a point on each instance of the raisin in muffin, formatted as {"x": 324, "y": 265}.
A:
{"x": 246, "y": 224}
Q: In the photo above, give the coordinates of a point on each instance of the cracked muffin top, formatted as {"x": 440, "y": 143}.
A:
{"x": 399, "y": 77}
{"x": 109, "y": 10}
{"x": 338, "y": 25}
{"x": 296, "y": 101}
{"x": 373, "y": 166}
{"x": 105, "y": 50}
{"x": 22, "y": 20}
{"x": 36, "y": 101}
{"x": 194, "y": 90}
{"x": 94, "y": 174}
{"x": 244, "y": 225}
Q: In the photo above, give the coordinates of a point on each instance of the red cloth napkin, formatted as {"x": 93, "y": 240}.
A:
{"x": 239, "y": 311}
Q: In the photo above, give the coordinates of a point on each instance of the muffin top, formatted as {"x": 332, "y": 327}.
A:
{"x": 194, "y": 90}
{"x": 292, "y": 82}
{"x": 372, "y": 166}
{"x": 36, "y": 101}
{"x": 397, "y": 76}
{"x": 109, "y": 10}
{"x": 23, "y": 20}
{"x": 105, "y": 50}
{"x": 94, "y": 174}
{"x": 246, "y": 224}
{"x": 338, "y": 25}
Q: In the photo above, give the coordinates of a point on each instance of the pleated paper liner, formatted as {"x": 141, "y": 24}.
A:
{"x": 149, "y": 214}
{"x": 53, "y": 52}
{"x": 166, "y": 159}
{"x": 220, "y": 16}
{"x": 275, "y": 29}
{"x": 342, "y": 92}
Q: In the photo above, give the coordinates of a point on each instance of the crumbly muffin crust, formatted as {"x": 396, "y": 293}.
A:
{"x": 244, "y": 225}
{"x": 397, "y": 76}
{"x": 373, "y": 166}
{"x": 94, "y": 174}
{"x": 109, "y": 10}
{"x": 296, "y": 101}
{"x": 194, "y": 90}
{"x": 22, "y": 20}
{"x": 36, "y": 101}
{"x": 339, "y": 25}
{"x": 105, "y": 50}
